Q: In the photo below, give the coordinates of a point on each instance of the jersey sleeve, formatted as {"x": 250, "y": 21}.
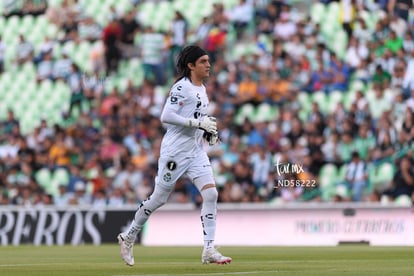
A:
{"x": 175, "y": 101}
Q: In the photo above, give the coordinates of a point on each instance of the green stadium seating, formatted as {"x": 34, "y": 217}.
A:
{"x": 321, "y": 99}
{"x": 246, "y": 111}
{"x": 61, "y": 177}
{"x": 403, "y": 200}
{"x": 381, "y": 175}
{"x": 44, "y": 178}
{"x": 265, "y": 113}
{"x": 328, "y": 175}
{"x": 334, "y": 98}
{"x": 318, "y": 12}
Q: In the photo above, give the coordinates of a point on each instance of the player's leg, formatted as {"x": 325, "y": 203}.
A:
{"x": 126, "y": 239}
{"x": 168, "y": 174}
{"x": 203, "y": 179}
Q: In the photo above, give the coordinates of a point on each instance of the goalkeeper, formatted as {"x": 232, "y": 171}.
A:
{"x": 181, "y": 154}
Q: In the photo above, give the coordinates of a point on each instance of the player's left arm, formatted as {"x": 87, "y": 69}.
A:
{"x": 171, "y": 109}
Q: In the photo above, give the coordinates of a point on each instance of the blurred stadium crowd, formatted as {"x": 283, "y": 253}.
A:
{"x": 326, "y": 87}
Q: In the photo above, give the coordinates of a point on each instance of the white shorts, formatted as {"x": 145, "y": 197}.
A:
{"x": 197, "y": 169}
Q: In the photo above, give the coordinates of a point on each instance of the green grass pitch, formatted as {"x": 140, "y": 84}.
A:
{"x": 92, "y": 260}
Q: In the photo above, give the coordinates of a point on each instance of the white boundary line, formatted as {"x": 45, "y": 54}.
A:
{"x": 214, "y": 273}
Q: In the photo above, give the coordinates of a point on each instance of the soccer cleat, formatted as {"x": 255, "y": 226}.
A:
{"x": 126, "y": 249}
{"x": 212, "y": 256}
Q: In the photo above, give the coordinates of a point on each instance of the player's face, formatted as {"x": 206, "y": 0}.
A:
{"x": 201, "y": 70}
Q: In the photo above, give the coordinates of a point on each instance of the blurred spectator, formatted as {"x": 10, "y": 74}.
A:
{"x": 152, "y": 49}
{"x": 63, "y": 197}
{"x": 365, "y": 142}
{"x": 330, "y": 149}
{"x": 99, "y": 199}
{"x": 11, "y": 122}
{"x": 403, "y": 180}
{"x": 355, "y": 53}
{"x": 178, "y": 38}
{"x": 240, "y": 16}
{"x": 24, "y": 50}
{"x": 80, "y": 197}
{"x": 45, "y": 67}
{"x": 59, "y": 152}
{"x": 70, "y": 28}
{"x": 247, "y": 91}
{"x": 348, "y": 11}
{"x": 129, "y": 30}
{"x": 379, "y": 104}
{"x": 128, "y": 178}
{"x": 21, "y": 8}
{"x": 116, "y": 198}
{"x": 361, "y": 32}
{"x": 215, "y": 41}
{"x": 400, "y": 7}
{"x": 2, "y": 54}
{"x": 394, "y": 43}
{"x": 202, "y": 30}
{"x": 356, "y": 178}
{"x": 62, "y": 67}
{"x": 261, "y": 162}
{"x": 111, "y": 36}
{"x": 74, "y": 177}
{"x": 76, "y": 88}
{"x": 284, "y": 27}
{"x": 89, "y": 30}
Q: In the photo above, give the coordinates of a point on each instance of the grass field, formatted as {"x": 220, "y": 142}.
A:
{"x": 105, "y": 260}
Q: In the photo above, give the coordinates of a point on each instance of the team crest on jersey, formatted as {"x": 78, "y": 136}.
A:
{"x": 167, "y": 177}
{"x": 171, "y": 165}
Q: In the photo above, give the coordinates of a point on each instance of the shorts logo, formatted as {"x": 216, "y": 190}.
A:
{"x": 171, "y": 165}
{"x": 167, "y": 177}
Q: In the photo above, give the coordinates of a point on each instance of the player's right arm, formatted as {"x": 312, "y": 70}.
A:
{"x": 170, "y": 114}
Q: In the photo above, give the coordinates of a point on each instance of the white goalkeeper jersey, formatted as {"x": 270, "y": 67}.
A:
{"x": 187, "y": 101}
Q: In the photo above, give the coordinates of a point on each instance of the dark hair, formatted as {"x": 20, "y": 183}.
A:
{"x": 189, "y": 54}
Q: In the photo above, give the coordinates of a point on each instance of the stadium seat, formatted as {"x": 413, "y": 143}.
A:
{"x": 322, "y": 100}
{"x": 403, "y": 200}
{"x": 44, "y": 178}
{"x": 349, "y": 98}
{"x": 61, "y": 176}
{"x": 317, "y": 12}
{"x": 2, "y": 24}
{"x": 381, "y": 175}
{"x": 328, "y": 180}
{"x": 246, "y": 111}
{"x": 265, "y": 113}
{"x": 334, "y": 98}
{"x": 26, "y": 24}
{"x": 329, "y": 174}
{"x": 304, "y": 100}
{"x": 357, "y": 85}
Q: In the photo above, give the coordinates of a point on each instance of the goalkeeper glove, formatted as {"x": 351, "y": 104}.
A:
{"x": 211, "y": 138}
{"x": 208, "y": 124}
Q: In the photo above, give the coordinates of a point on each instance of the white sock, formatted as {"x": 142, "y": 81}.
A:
{"x": 158, "y": 198}
{"x": 208, "y": 216}
{"x": 208, "y": 244}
